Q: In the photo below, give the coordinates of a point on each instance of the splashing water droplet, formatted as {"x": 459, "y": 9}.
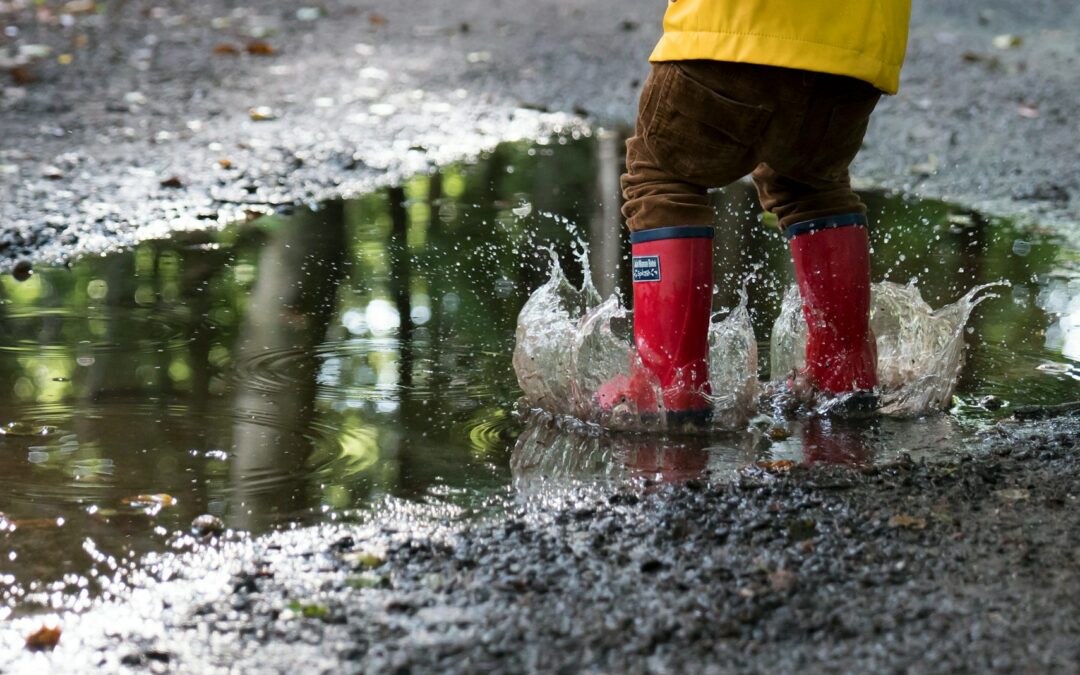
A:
{"x": 920, "y": 350}
{"x": 569, "y": 344}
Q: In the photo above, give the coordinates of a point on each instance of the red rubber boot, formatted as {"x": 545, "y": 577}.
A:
{"x": 672, "y": 272}
{"x": 832, "y": 267}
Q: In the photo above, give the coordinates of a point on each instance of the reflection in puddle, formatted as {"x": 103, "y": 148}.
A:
{"x": 296, "y": 370}
{"x": 553, "y": 450}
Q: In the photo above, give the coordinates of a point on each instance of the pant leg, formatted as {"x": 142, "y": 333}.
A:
{"x": 804, "y": 172}
{"x": 689, "y": 138}
{"x": 794, "y": 201}
{"x": 655, "y": 197}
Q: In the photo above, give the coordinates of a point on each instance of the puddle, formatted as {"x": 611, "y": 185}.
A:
{"x": 300, "y": 369}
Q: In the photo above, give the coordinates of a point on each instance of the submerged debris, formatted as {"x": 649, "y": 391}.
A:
{"x": 43, "y": 639}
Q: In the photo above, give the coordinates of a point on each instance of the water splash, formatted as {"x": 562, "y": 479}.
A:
{"x": 920, "y": 350}
{"x": 569, "y": 343}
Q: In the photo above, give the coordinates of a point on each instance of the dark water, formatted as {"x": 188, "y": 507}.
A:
{"x": 301, "y": 368}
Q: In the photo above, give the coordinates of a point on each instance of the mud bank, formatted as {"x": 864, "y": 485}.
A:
{"x": 969, "y": 565}
{"x": 143, "y": 118}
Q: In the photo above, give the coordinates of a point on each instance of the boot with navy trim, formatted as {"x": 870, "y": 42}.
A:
{"x": 832, "y": 268}
{"x": 673, "y": 278}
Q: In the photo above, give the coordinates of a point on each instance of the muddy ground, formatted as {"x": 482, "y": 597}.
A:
{"x": 139, "y": 119}
{"x": 965, "y": 566}
{"x": 148, "y": 127}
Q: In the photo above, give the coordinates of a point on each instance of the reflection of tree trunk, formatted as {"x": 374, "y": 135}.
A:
{"x": 198, "y": 266}
{"x": 291, "y": 306}
{"x": 971, "y": 243}
{"x": 606, "y": 226}
{"x": 732, "y": 237}
{"x": 113, "y": 371}
{"x": 411, "y": 411}
{"x": 401, "y": 281}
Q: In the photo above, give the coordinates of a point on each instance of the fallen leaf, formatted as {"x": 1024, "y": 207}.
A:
{"x": 260, "y": 48}
{"x": 377, "y": 19}
{"x": 150, "y": 501}
{"x": 778, "y": 433}
{"x": 1028, "y": 111}
{"x": 909, "y": 522}
{"x": 364, "y": 559}
{"x": 43, "y": 639}
{"x": 33, "y": 51}
{"x": 308, "y": 611}
{"x": 65, "y": 59}
{"x": 79, "y": 7}
{"x": 262, "y": 113}
{"x": 22, "y": 76}
{"x": 367, "y": 580}
{"x": 1013, "y": 494}
{"x": 172, "y": 182}
{"x": 225, "y": 163}
{"x": 1007, "y": 41}
{"x": 776, "y": 466}
{"x": 226, "y": 49}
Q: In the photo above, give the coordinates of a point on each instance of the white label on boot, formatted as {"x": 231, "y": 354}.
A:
{"x": 646, "y": 268}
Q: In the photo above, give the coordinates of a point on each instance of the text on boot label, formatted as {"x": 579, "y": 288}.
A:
{"x": 646, "y": 268}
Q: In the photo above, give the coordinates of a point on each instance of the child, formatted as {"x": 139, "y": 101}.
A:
{"x": 781, "y": 90}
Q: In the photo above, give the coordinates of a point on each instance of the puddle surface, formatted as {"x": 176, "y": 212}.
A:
{"x": 303, "y": 368}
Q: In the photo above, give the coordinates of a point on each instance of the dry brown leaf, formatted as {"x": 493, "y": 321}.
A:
{"x": 778, "y": 433}
{"x": 146, "y": 501}
{"x": 910, "y": 522}
{"x": 22, "y": 76}
{"x": 776, "y": 466}
{"x": 79, "y": 7}
{"x": 43, "y": 639}
{"x": 377, "y": 19}
{"x": 36, "y": 523}
{"x": 260, "y": 48}
{"x": 226, "y": 49}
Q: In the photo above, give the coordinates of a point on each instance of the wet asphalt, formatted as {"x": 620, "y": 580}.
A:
{"x": 961, "y": 566}
{"x": 968, "y": 566}
{"x": 147, "y": 117}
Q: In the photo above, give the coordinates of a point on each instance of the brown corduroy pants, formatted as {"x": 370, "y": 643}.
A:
{"x": 705, "y": 124}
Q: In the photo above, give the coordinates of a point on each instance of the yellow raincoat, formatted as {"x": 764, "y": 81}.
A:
{"x": 865, "y": 39}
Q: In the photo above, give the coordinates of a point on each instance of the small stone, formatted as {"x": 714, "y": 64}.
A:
{"x": 207, "y": 525}
{"x": 22, "y": 270}
{"x": 262, "y": 113}
{"x": 782, "y": 581}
